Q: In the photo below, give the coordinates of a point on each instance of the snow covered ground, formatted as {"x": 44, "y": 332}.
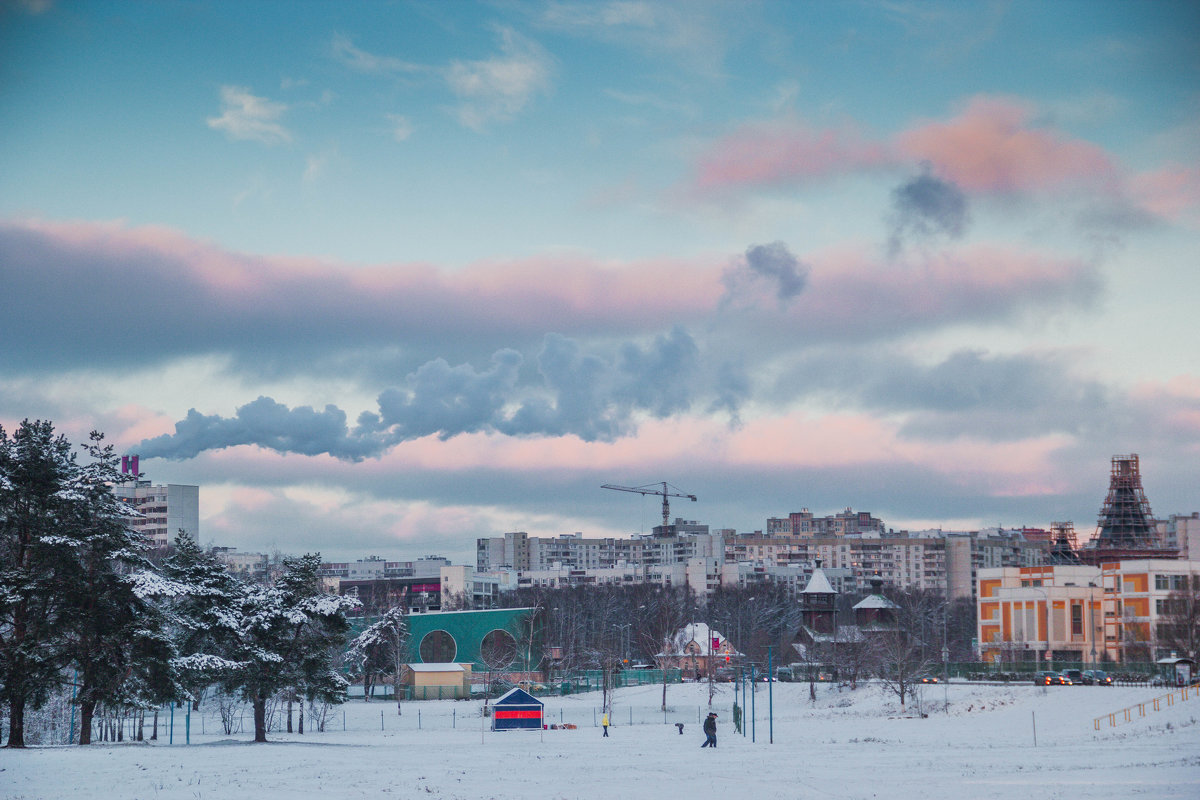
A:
{"x": 846, "y": 745}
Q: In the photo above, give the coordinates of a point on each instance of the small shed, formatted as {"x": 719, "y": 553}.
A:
{"x": 517, "y": 710}
{"x": 438, "y": 681}
{"x": 1178, "y": 671}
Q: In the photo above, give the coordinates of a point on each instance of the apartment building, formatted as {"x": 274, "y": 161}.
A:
{"x": 937, "y": 561}
{"x": 164, "y": 511}
{"x": 1182, "y": 533}
{"x": 805, "y": 524}
{"x": 522, "y": 552}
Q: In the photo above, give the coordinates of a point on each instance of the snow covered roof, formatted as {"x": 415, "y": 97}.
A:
{"x": 444, "y": 667}
{"x": 702, "y": 635}
{"x": 845, "y": 634}
{"x": 875, "y": 601}
{"x": 819, "y": 583}
{"x": 517, "y": 696}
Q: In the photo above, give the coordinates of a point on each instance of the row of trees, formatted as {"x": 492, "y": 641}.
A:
{"x": 82, "y": 606}
{"x": 605, "y": 627}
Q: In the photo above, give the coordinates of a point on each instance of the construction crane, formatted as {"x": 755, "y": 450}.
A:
{"x": 652, "y": 488}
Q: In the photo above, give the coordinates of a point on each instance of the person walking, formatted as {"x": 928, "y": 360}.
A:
{"x": 710, "y": 731}
{"x": 604, "y": 724}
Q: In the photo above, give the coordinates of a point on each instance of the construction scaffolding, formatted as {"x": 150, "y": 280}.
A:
{"x": 1063, "y": 546}
{"x": 1126, "y": 527}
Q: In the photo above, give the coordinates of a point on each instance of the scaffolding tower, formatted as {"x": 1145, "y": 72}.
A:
{"x": 1063, "y": 546}
{"x": 1126, "y": 527}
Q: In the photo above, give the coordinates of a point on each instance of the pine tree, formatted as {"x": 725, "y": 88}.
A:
{"x": 380, "y": 650}
{"x": 200, "y": 613}
{"x": 40, "y": 485}
{"x": 116, "y": 636}
{"x": 287, "y": 637}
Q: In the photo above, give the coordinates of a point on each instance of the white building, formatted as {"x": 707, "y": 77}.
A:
{"x": 165, "y": 511}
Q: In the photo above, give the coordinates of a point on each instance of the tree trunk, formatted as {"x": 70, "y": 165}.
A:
{"x": 154, "y": 730}
{"x": 290, "y": 695}
{"x": 260, "y": 718}
{"x": 301, "y": 717}
{"x": 16, "y": 722}
{"x": 87, "y": 708}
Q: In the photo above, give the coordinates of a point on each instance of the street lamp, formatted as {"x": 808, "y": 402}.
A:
{"x": 1092, "y": 622}
{"x": 945, "y": 655}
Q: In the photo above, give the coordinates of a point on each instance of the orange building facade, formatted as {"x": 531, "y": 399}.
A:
{"x": 1076, "y": 613}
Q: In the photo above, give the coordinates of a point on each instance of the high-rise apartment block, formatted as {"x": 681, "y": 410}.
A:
{"x": 164, "y": 511}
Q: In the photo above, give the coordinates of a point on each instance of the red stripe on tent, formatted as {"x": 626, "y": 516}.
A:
{"x": 516, "y": 714}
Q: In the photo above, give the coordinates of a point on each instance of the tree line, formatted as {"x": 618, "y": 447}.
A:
{"x": 83, "y": 608}
{"x": 607, "y": 628}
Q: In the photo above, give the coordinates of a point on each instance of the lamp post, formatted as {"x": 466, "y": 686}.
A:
{"x": 1092, "y": 620}
{"x": 945, "y": 656}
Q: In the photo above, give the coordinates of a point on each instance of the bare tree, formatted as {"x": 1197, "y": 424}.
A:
{"x": 1179, "y": 626}
{"x": 899, "y": 662}
{"x": 665, "y": 610}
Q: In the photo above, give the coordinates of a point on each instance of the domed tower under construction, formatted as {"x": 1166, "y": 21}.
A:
{"x": 1126, "y": 527}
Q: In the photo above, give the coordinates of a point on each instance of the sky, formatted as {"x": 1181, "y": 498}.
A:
{"x": 385, "y": 277}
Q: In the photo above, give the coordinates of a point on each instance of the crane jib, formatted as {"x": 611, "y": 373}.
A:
{"x": 652, "y": 489}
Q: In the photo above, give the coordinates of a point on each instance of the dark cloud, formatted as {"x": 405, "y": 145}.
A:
{"x": 580, "y": 393}
{"x": 268, "y": 424}
{"x": 732, "y": 389}
{"x": 444, "y": 400}
{"x": 996, "y": 397}
{"x": 766, "y": 266}
{"x": 278, "y": 316}
{"x": 927, "y": 207}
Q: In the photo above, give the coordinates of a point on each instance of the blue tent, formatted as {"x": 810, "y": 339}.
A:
{"x": 517, "y": 710}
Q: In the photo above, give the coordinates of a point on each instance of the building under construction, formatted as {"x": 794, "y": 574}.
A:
{"x": 1126, "y": 527}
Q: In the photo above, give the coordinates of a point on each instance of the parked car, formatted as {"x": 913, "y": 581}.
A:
{"x": 1050, "y": 678}
{"x": 1095, "y": 677}
{"x": 929, "y": 679}
{"x": 1072, "y": 675}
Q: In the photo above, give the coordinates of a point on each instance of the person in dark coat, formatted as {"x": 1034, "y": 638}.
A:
{"x": 710, "y": 731}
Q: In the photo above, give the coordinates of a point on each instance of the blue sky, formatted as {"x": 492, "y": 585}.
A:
{"x": 385, "y": 277}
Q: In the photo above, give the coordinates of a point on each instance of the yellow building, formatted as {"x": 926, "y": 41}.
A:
{"x": 437, "y": 681}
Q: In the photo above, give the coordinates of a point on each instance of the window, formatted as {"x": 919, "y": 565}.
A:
{"x": 1160, "y": 583}
{"x": 498, "y": 649}
{"x": 438, "y": 647}
{"x": 1076, "y": 619}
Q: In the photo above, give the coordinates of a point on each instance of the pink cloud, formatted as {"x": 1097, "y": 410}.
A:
{"x": 851, "y": 291}
{"x": 784, "y": 153}
{"x": 806, "y": 441}
{"x": 102, "y": 270}
{"x": 1172, "y": 192}
{"x": 992, "y": 148}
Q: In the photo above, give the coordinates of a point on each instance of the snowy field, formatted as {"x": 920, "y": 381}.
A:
{"x": 846, "y": 745}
